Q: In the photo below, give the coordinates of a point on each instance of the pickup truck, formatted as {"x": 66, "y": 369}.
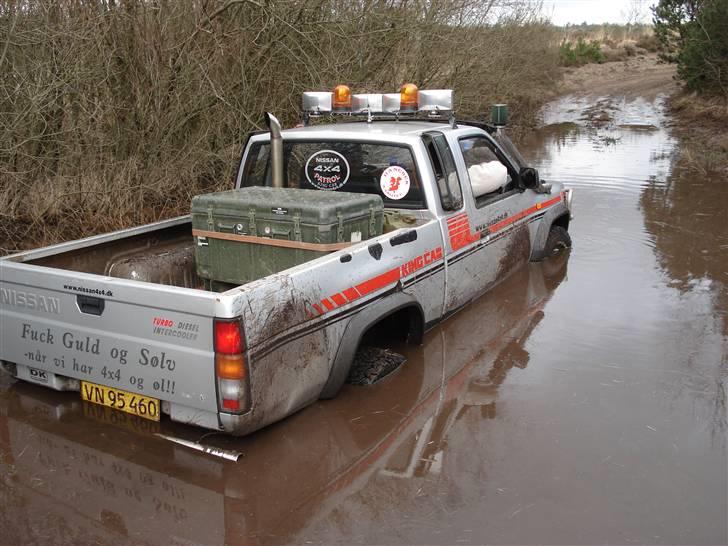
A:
{"x": 124, "y": 319}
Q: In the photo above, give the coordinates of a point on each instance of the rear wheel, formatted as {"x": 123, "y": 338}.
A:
{"x": 372, "y": 364}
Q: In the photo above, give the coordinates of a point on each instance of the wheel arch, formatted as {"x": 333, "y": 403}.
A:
{"x": 557, "y": 216}
{"x": 397, "y": 304}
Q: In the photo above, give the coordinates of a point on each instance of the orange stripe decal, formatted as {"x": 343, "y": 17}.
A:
{"x": 459, "y": 231}
{"x": 458, "y": 223}
{"x": 465, "y": 228}
{"x": 380, "y": 281}
{"x": 351, "y": 294}
{"x": 498, "y": 226}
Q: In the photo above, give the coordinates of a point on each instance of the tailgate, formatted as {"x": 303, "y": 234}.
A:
{"x": 140, "y": 337}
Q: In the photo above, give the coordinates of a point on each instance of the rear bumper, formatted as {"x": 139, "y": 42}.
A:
{"x": 176, "y": 412}
{"x": 237, "y": 425}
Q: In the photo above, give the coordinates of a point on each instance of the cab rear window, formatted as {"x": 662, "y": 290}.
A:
{"x": 386, "y": 170}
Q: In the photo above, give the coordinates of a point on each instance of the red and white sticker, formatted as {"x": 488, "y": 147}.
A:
{"x": 395, "y": 182}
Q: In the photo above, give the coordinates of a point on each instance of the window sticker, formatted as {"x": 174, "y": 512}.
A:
{"x": 395, "y": 182}
{"x": 327, "y": 170}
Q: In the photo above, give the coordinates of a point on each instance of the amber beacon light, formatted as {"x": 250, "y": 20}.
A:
{"x": 342, "y": 98}
{"x": 408, "y": 97}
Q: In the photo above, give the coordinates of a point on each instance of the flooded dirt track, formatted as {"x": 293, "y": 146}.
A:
{"x": 579, "y": 402}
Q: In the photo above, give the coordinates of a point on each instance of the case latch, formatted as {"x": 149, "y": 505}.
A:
{"x": 372, "y": 221}
{"x": 297, "y": 226}
{"x": 210, "y": 218}
{"x": 252, "y": 230}
{"x": 340, "y": 230}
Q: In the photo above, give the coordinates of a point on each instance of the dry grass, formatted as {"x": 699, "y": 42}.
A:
{"x": 701, "y": 123}
{"x": 116, "y": 112}
{"x": 615, "y": 42}
{"x": 609, "y": 34}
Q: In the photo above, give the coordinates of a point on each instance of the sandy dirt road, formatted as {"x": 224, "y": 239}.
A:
{"x": 640, "y": 76}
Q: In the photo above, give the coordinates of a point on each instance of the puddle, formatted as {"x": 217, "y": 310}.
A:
{"x": 579, "y": 402}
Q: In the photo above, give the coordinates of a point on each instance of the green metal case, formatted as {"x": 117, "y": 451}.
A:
{"x": 243, "y": 235}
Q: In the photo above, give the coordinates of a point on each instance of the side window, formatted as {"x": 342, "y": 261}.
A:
{"x": 257, "y": 165}
{"x": 489, "y": 176}
{"x": 443, "y": 165}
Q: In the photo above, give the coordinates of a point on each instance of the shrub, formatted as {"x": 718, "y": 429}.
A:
{"x": 614, "y": 55}
{"x": 580, "y": 53}
{"x": 695, "y": 35}
{"x": 648, "y": 42}
{"x": 629, "y": 47}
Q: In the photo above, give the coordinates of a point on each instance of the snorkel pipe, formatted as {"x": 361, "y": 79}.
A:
{"x": 276, "y": 149}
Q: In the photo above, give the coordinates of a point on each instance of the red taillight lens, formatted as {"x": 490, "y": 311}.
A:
{"x": 232, "y": 405}
{"x": 228, "y": 338}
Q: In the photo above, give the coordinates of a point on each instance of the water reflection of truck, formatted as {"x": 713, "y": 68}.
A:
{"x": 124, "y": 319}
{"x": 104, "y": 483}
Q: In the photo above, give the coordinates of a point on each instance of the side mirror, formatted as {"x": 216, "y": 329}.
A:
{"x": 529, "y": 178}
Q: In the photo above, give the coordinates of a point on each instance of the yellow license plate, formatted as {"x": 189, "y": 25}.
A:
{"x": 136, "y": 404}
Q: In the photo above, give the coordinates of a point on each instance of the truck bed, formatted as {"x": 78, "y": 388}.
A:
{"x": 126, "y": 310}
{"x": 77, "y": 312}
{"x": 163, "y": 254}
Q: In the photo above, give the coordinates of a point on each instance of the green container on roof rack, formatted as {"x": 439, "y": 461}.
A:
{"x": 499, "y": 114}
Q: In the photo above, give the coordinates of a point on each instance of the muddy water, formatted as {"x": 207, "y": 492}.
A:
{"x": 582, "y": 401}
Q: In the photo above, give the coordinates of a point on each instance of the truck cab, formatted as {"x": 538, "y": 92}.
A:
{"x": 438, "y": 189}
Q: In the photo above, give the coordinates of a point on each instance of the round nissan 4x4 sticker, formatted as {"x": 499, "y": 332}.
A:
{"x": 395, "y": 182}
{"x": 327, "y": 170}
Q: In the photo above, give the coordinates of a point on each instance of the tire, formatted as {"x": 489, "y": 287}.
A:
{"x": 557, "y": 241}
{"x": 372, "y": 364}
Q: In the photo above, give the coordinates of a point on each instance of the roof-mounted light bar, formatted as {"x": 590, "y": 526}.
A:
{"x": 410, "y": 100}
{"x": 436, "y": 100}
{"x": 318, "y": 102}
{"x": 368, "y": 102}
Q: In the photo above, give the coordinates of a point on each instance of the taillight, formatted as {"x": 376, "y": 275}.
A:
{"x": 228, "y": 338}
{"x": 230, "y": 367}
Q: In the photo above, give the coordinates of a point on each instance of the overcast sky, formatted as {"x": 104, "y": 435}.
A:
{"x": 562, "y": 12}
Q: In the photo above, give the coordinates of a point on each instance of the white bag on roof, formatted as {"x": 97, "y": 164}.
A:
{"x": 487, "y": 177}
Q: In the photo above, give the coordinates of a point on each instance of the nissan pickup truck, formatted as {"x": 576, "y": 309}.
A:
{"x": 123, "y": 318}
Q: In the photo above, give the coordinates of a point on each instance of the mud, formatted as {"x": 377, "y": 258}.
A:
{"x": 582, "y": 401}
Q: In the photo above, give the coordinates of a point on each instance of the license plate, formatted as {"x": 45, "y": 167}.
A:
{"x": 136, "y": 404}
